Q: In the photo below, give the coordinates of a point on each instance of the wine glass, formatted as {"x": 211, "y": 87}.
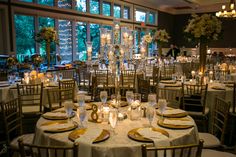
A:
{"x": 152, "y": 99}
{"x": 113, "y": 117}
{"x": 129, "y": 96}
{"x": 81, "y": 115}
{"x": 103, "y": 96}
{"x": 60, "y": 75}
{"x": 68, "y": 106}
{"x": 137, "y": 97}
{"x": 81, "y": 99}
{"x": 150, "y": 111}
{"x": 162, "y": 106}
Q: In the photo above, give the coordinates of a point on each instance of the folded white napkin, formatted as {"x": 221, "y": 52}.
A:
{"x": 178, "y": 122}
{"x": 174, "y": 111}
{"x": 86, "y": 140}
{"x": 158, "y": 138}
{"x": 55, "y": 114}
{"x": 57, "y": 126}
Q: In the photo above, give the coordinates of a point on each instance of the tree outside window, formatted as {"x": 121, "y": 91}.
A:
{"x": 151, "y": 18}
{"x": 46, "y": 2}
{"x": 64, "y": 4}
{"x": 95, "y": 38}
{"x": 140, "y": 16}
{"x": 126, "y": 13}
{"x": 81, "y": 38}
{"x": 117, "y": 11}
{"x": 25, "y": 36}
{"x": 106, "y": 9}
{"x": 80, "y": 5}
{"x": 94, "y": 6}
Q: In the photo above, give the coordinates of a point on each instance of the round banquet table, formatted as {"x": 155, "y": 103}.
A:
{"x": 119, "y": 144}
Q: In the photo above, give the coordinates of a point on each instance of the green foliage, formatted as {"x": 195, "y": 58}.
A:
{"x": 46, "y": 2}
{"x": 117, "y": 11}
{"x": 81, "y": 41}
{"x": 95, "y": 38}
{"x": 106, "y": 9}
{"x": 25, "y": 41}
{"x": 94, "y": 7}
{"x": 81, "y": 5}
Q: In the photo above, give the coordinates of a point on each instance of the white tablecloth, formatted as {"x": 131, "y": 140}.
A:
{"x": 118, "y": 145}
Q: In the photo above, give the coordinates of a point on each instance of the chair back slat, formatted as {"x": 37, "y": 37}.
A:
{"x": 180, "y": 151}
{"x": 11, "y": 113}
{"x": 166, "y": 72}
{"x": 47, "y": 151}
{"x": 220, "y": 118}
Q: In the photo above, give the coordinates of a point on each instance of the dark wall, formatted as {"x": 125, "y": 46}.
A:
{"x": 175, "y": 25}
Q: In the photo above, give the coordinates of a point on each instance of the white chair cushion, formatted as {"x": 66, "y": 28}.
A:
{"x": 27, "y": 138}
{"x": 214, "y": 153}
{"x": 198, "y": 113}
{"x": 210, "y": 141}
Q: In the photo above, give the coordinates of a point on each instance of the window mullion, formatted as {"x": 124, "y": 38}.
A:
{"x": 73, "y": 41}
{"x": 56, "y": 28}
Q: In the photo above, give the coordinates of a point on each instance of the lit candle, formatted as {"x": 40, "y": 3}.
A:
{"x": 200, "y": 74}
{"x": 211, "y": 72}
{"x": 193, "y": 73}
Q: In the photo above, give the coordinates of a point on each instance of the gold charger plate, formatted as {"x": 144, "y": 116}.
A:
{"x": 58, "y": 122}
{"x": 217, "y": 88}
{"x": 122, "y": 104}
{"x": 170, "y": 126}
{"x": 58, "y": 117}
{"x": 135, "y": 135}
{"x": 177, "y": 115}
{"x": 105, "y": 134}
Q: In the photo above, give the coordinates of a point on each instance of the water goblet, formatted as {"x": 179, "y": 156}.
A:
{"x": 60, "y": 75}
{"x": 103, "y": 96}
{"x": 68, "y": 106}
{"x": 162, "y": 106}
{"x": 81, "y": 99}
{"x": 81, "y": 115}
{"x": 150, "y": 111}
{"x": 113, "y": 117}
{"x": 129, "y": 96}
{"x": 152, "y": 99}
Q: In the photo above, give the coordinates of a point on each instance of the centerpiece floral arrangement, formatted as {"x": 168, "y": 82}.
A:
{"x": 11, "y": 61}
{"x": 147, "y": 38}
{"x": 161, "y": 36}
{"x": 36, "y": 60}
{"x": 205, "y": 27}
{"x": 47, "y": 35}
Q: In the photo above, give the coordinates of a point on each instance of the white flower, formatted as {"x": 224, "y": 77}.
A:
{"x": 205, "y": 26}
{"x": 161, "y": 36}
{"x": 147, "y": 38}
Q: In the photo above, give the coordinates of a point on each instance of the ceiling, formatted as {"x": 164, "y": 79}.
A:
{"x": 183, "y": 6}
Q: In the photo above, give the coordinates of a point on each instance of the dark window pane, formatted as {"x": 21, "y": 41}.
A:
{"x": 47, "y": 22}
{"x": 126, "y": 13}
{"x": 80, "y": 5}
{"x": 65, "y": 40}
{"x": 81, "y": 38}
{"x": 64, "y": 4}
{"x": 94, "y": 6}
{"x": 95, "y": 38}
{"x": 151, "y": 18}
{"x": 106, "y": 9}
{"x": 116, "y": 11}
{"x": 25, "y": 39}
{"x": 46, "y": 2}
{"x": 140, "y": 16}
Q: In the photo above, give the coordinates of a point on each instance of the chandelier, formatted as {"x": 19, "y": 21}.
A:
{"x": 227, "y": 13}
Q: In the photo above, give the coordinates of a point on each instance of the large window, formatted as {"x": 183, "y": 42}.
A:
{"x": 25, "y": 39}
{"x": 46, "y": 2}
{"x": 81, "y": 38}
{"x": 65, "y": 40}
{"x": 117, "y": 11}
{"x": 95, "y": 38}
{"x": 126, "y": 13}
{"x": 64, "y": 4}
{"x": 106, "y": 9}
{"x": 80, "y": 5}
{"x": 140, "y": 16}
{"x": 26, "y": 0}
{"x": 94, "y": 6}
{"x": 46, "y": 22}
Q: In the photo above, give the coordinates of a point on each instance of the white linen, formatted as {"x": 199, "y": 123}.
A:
{"x": 89, "y": 136}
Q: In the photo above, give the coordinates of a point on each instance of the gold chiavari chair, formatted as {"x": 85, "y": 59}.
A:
{"x": 172, "y": 95}
{"x": 219, "y": 124}
{"x": 69, "y": 84}
{"x": 47, "y": 151}
{"x": 68, "y": 73}
{"x": 102, "y": 78}
{"x": 144, "y": 89}
{"x": 30, "y": 98}
{"x": 191, "y": 150}
{"x": 84, "y": 78}
{"x": 167, "y": 71}
{"x": 127, "y": 80}
{"x": 194, "y": 101}
{"x": 12, "y": 120}
{"x": 186, "y": 69}
{"x": 3, "y": 75}
{"x": 56, "y": 97}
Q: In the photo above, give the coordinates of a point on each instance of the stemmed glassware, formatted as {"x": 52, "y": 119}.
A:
{"x": 116, "y": 100}
{"x": 68, "y": 106}
{"x": 162, "y": 106}
{"x": 152, "y": 99}
{"x": 81, "y": 99}
{"x": 60, "y": 75}
{"x": 81, "y": 115}
{"x": 129, "y": 97}
{"x": 150, "y": 111}
{"x": 103, "y": 97}
{"x": 113, "y": 117}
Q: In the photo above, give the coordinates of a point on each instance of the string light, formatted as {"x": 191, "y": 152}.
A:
{"x": 227, "y": 14}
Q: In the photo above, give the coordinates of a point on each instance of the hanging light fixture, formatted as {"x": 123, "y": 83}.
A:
{"x": 227, "y": 13}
